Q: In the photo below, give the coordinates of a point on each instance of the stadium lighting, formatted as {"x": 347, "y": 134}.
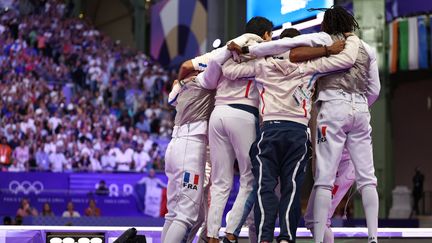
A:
{"x": 72, "y": 237}
{"x": 68, "y": 240}
{"x": 83, "y": 240}
{"x": 55, "y": 240}
{"x": 217, "y": 43}
{"x": 96, "y": 240}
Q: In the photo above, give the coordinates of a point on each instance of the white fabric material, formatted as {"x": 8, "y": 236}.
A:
{"x": 141, "y": 159}
{"x": 374, "y": 85}
{"x": 413, "y": 44}
{"x": 282, "y": 45}
{"x": 231, "y": 134}
{"x": 345, "y": 177}
{"x": 323, "y": 196}
{"x": 58, "y": 162}
{"x": 200, "y": 63}
{"x": 370, "y": 206}
{"x": 123, "y": 158}
{"x": 232, "y": 91}
{"x": 348, "y": 125}
{"x": 185, "y": 154}
{"x": 176, "y": 232}
{"x": 191, "y": 129}
{"x": 273, "y": 73}
{"x": 200, "y": 228}
{"x": 328, "y": 235}
{"x": 172, "y": 97}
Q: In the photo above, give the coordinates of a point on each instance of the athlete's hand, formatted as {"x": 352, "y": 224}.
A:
{"x": 337, "y": 47}
{"x": 232, "y": 46}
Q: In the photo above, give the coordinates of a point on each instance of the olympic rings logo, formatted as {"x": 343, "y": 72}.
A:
{"x": 26, "y": 187}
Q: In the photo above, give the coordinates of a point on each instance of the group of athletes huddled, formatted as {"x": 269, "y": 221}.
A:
{"x": 265, "y": 103}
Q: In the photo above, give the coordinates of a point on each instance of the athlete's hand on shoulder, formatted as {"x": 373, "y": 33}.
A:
{"x": 232, "y": 46}
{"x": 337, "y": 47}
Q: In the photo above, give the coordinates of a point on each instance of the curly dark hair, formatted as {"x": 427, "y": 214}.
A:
{"x": 338, "y": 20}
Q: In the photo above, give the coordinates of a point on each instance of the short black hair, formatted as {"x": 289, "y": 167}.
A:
{"x": 338, "y": 20}
{"x": 290, "y": 33}
{"x": 259, "y": 26}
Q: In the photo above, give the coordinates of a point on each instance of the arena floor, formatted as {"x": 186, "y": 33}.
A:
{"x": 38, "y": 234}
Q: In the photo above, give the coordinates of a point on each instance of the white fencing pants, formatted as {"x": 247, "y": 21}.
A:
{"x": 342, "y": 123}
{"x": 184, "y": 166}
{"x": 344, "y": 180}
{"x": 231, "y": 134}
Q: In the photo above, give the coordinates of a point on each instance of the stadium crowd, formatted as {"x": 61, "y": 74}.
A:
{"x": 72, "y": 99}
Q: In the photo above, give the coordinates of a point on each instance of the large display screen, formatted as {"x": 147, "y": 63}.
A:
{"x": 284, "y": 11}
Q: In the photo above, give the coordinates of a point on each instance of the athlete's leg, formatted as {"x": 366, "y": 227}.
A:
{"x": 265, "y": 169}
{"x": 295, "y": 155}
{"x": 242, "y": 129}
{"x": 200, "y": 227}
{"x": 330, "y": 144}
{"x": 359, "y": 144}
{"x": 222, "y": 159}
{"x": 190, "y": 162}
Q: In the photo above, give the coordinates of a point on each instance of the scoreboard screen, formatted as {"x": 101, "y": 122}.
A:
{"x": 281, "y": 12}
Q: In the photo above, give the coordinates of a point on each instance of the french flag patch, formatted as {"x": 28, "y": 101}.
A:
{"x": 190, "y": 181}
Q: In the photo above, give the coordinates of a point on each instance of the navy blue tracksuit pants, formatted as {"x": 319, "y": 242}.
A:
{"x": 281, "y": 151}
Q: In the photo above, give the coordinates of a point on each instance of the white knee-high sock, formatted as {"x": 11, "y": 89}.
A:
{"x": 370, "y": 205}
{"x": 321, "y": 207}
{"x": 328, "y": 235}
{"x": 176, "y": 233}
{"x": 165, "y": 228}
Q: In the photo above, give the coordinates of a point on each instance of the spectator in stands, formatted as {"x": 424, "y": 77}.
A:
{"x": 21, "y": 156}
{"x": 107, "y": 160}
{"x": 143, "y": 124}
{"x": 46, "y": 58}
{"x": 92, "y": 210}
{"x": 123, "y": 157}
{"x": 46, "y": 210}
{"x": 70, "y": 212}
{"x": 154, "y": 151}
{"x": 26, "y": 210}
{"x": 5, "y": 154}
{"x": 102, "y": 189}
{"x": 18, "y": 220}
{"x": 16, "y": 167}
{"x": 95, "y": 164}
{"x": 42, "y": 158}
{"x": 417, "y": 191}
{"x": 7, "y": 220}
{"x": 141, "y": 158}
{"x": 58, "y": 161}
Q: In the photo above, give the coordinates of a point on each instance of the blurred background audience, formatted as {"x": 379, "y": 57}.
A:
{"x": 71, "y": 99}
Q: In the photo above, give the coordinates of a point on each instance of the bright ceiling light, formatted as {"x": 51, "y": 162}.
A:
{"x": 55, "y": 240}
{"x": 216, "y": 43}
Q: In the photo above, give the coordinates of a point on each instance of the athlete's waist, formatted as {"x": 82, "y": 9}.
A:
{"x": 278, "y": 118}
{"x": 248, "y": 108}
{"x": 254, "y": 102}
{"x": 190, "y": 129}
{"x": 339, "y": 94}
{"x": 283, "y": 123}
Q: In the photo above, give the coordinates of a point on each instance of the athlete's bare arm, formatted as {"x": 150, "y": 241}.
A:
{"x": 185, "y": 69}
{"x": 305, "y": 53}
